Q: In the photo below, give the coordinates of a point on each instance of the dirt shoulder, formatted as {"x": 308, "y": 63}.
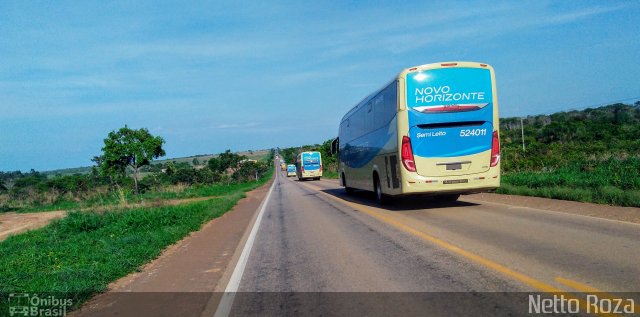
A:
{"x": 628, "y": 214}
{"x": 182, "y": 281}
{"x": 12, "y": 223}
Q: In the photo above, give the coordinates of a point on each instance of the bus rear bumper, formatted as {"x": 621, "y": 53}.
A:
{"x": 463, "y": 184}
{"x": 311, "y": 174}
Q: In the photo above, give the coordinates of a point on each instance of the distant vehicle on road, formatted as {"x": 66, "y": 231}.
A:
{"x": 291, "y": 170}
{"x": 309, "y": 165}
{"x": 283, "y": 166}
{"x": 432, "y": 130}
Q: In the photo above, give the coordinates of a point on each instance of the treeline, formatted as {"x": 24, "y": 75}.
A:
{"x": 32, "y": 189}
{"x": 569, "y": 138}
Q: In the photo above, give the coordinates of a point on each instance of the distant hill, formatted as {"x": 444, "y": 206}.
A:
{"x": 202, "y": 158}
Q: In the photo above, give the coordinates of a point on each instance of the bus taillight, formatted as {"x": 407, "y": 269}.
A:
{"x": 495, "y": 149}
{"x": 407, "y": 155}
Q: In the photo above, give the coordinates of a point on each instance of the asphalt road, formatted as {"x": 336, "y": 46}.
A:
{"x": 319, "y": 251}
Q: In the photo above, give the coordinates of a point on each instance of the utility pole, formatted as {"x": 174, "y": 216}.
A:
{"x": 522, "y": 130}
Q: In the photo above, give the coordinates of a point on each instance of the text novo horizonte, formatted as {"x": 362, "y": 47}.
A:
{"x": 443, "y": 93}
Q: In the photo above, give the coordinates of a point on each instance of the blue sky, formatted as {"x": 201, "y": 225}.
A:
{"x": 209, "y": 76}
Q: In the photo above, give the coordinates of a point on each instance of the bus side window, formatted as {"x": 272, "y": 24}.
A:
{"x": 358, "y": 123}
{"x": 347, "y": 131}
{"x": 368, "y": 118}
{"x": 378, "y": 117}
{"x": 390, "y": 104}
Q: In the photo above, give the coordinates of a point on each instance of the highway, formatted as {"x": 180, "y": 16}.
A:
{"x": 320, "y": 251}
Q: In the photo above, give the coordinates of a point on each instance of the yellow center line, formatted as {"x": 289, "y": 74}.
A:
{"x": 577, "y": 285}
{"x": 588, "y": 289}
{"x": 537, "y": 284}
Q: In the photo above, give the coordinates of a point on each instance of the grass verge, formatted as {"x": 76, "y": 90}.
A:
{"x": 79, "y": 255}
{"x": 612, "y": 181}
{"x": 330, "y": 174}
{"x": 606, "y": 195}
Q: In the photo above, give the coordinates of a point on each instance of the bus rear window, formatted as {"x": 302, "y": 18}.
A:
{"x": 449, "y": 90}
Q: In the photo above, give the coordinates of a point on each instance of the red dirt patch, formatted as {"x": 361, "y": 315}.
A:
{"x": 12, "y": 223}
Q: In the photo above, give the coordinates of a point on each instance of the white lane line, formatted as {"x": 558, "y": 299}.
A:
{"x": 226, "y": 302}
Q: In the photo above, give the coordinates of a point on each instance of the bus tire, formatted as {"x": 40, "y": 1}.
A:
{"x": 449, "y": 197}
{"x": 381, "y": 198}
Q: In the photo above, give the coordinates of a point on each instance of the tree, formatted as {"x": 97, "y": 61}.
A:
{"x": 129, "y": 148}
{"x": 171, "y": 168}
{"x": 195, "y": 161}
{"x": 230, "y": 160}
{"x": 224, "y": 161}
{"x": 215, "y": 165}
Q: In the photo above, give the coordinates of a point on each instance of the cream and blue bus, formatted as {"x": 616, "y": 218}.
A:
{"x": 309, "y": 165}
{"x": 432, "y": 130}
{"x": 291, "y": 170}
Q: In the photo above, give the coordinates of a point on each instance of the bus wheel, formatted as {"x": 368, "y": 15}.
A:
{"x": 381, "y": 198}
{"x": 450, "y": 197}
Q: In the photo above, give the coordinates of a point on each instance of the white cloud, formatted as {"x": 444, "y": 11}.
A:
{"x": 236, "y": 125}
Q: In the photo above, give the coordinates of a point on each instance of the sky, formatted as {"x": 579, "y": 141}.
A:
{"x": 239, "y": 75}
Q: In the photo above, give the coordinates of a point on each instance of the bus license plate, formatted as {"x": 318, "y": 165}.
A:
{"x": 453, "y": 167}
{"x": 455, "y": 181}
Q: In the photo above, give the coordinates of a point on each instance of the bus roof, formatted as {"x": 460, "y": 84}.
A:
{"x": 444, "y": 65}
{"x": 412, "y": 69}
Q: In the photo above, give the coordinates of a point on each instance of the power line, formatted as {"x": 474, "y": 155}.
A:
{"x": 610, "y": 102}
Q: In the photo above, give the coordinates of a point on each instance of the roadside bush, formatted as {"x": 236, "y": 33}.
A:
{"x": 207, "y": 176}
{"x": 152, "y": 182}
{"x": 250, "y": 171}
{"x": 184, "y": 175}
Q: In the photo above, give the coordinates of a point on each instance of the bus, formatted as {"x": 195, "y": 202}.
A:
{"x": 291, "y": 170}
{"x": 432, "y": 130}
{"x": 309, "y": 165}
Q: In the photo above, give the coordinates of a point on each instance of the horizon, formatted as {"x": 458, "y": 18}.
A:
{"x": 212, "y": 77}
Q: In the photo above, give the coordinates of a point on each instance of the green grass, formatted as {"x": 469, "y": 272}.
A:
{"x": 79, "y": 255}
{"x": 606, "y": 195}
{"x": 611, "y": 181}
{"x": 330, "y": 174}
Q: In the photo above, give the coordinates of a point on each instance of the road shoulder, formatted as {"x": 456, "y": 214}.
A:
{"x": 626, "y": 214}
